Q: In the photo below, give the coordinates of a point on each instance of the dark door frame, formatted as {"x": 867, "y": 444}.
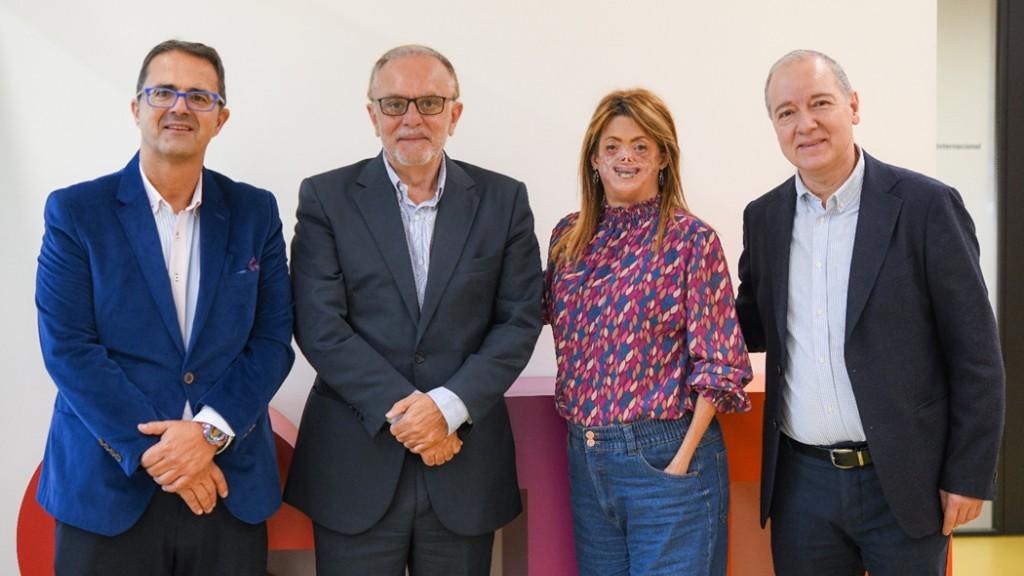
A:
{"x": 1008, "y": 509}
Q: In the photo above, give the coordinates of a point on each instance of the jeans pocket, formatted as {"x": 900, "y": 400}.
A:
{"x": 657, "y": 457}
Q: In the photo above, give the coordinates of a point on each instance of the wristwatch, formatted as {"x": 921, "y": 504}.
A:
{"x": 214, "y": 437}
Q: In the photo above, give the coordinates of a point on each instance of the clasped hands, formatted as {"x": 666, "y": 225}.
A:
{"x": 182, "y": 463}
{"x": 420, "y": 426}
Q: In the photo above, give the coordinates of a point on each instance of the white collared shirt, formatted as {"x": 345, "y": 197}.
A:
{"x": 179, "y": 241}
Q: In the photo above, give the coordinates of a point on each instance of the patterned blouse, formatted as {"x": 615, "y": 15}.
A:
{"x": 640, "y": 332}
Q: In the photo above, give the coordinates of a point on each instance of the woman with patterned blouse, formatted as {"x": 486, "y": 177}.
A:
{"x": 638, "y": 295}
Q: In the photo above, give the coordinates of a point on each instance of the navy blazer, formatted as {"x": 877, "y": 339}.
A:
{"x": 360, "y": 326}
{"x": 922, "y": 349}
{"x": 112, "y": 345}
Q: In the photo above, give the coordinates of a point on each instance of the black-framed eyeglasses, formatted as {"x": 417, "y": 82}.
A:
{"x": 425, "y": 105}
{"x": 195, "y": 100}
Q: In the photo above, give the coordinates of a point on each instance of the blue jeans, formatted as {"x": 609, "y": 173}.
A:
{"x": 631, "y": 517}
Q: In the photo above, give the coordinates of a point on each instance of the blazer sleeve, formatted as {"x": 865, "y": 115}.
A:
{"x": 484, "y": 377}
{"x": 966, "y": 329}
{"x": 343, "y": 360}
{"x": 746, "y": 297}
{"x": 96, "y": 389}
{"x": 242, "y": 394}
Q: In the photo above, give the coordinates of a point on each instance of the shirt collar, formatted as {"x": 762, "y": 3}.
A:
{"x": 403, "y": 190}
{"x": 156, "y": 200}
{"x": 846, "y": 195}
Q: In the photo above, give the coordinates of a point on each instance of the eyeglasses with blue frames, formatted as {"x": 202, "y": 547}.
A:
{"x": 195, "y": 100}
{"x": 425, "y": 105}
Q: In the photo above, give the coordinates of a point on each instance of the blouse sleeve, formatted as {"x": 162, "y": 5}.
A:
{"x": 547, "y": 304}
{"x": 718, "y": 366}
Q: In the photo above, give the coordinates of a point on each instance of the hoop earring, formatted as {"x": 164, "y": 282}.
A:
{"x": 595, "y": 177}
{"x": 661, "y": 178}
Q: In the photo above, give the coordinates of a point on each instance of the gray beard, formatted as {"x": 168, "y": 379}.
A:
{"x": 426, "y": 158}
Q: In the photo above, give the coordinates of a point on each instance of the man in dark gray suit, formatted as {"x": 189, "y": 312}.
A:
{"x": 417, "y": 281}
{"x": 885, "y": 385}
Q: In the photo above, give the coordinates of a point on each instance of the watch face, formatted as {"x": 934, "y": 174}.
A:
{"x": 213, "y": 435}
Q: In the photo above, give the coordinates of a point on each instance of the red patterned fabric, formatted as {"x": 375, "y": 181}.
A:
{"x": 640, "y": 331}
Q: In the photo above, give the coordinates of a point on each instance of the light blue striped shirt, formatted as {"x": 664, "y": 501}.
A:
{"x": 418, "y": 221}
{"x": 182, "y": 229}
{"x": 818, "y": 406}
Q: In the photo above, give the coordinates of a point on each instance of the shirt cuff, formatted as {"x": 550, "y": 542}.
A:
{"x": 452, "y": 408}
{"x": 210, "y": 416}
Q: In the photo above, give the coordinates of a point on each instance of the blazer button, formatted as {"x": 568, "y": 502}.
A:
{"x": 189, "y": 378}
{"x": 419, "y": 358}
{"x": 778, "y": 369}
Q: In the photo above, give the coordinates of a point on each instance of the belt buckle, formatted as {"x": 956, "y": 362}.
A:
{"x": 832, "y": 456}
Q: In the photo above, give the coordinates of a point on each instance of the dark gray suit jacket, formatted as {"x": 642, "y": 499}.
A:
{"x": 922, "y": 349}
{"x": 359, "y": 325}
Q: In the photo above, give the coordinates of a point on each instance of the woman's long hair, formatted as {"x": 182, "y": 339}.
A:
{"x": 653, "y": 117}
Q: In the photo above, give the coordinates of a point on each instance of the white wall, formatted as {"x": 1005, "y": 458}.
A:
{"x": 531, "y": 74}
{"x": 966, "y": 103}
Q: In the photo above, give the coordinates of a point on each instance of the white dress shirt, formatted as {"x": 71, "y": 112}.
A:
{"x": 179, "y": 239}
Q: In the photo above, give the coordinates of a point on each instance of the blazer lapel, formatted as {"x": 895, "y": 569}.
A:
{"x": 780, "y": 223}
{"x": 214, "y": 226}
{"x": 377, "y": 203}
{"x": 136, "y": 218}
{"x": 876, "y": 221}
{"x": 456, "y": 211}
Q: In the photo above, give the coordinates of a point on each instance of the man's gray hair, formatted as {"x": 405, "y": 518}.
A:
{"x": 800, "y": 56}
{"x": 412, "y": 50}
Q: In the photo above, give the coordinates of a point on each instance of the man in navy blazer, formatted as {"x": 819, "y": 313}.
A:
{"x": 165, "y": 322}
{"x": 417, "y": 290}
{"x": 885, "y": 386}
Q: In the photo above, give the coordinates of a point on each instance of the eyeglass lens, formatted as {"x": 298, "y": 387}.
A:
{"x": 197, "y": 100}
{"x": 425, "y": 105}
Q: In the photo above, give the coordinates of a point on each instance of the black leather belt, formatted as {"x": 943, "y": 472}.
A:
{"x": 842, "y": 458}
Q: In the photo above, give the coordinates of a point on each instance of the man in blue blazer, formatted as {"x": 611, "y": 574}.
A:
{"x": 417, "y": 291}
{"x": 165, "y": 322}
{"x": 885, "y": 385}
